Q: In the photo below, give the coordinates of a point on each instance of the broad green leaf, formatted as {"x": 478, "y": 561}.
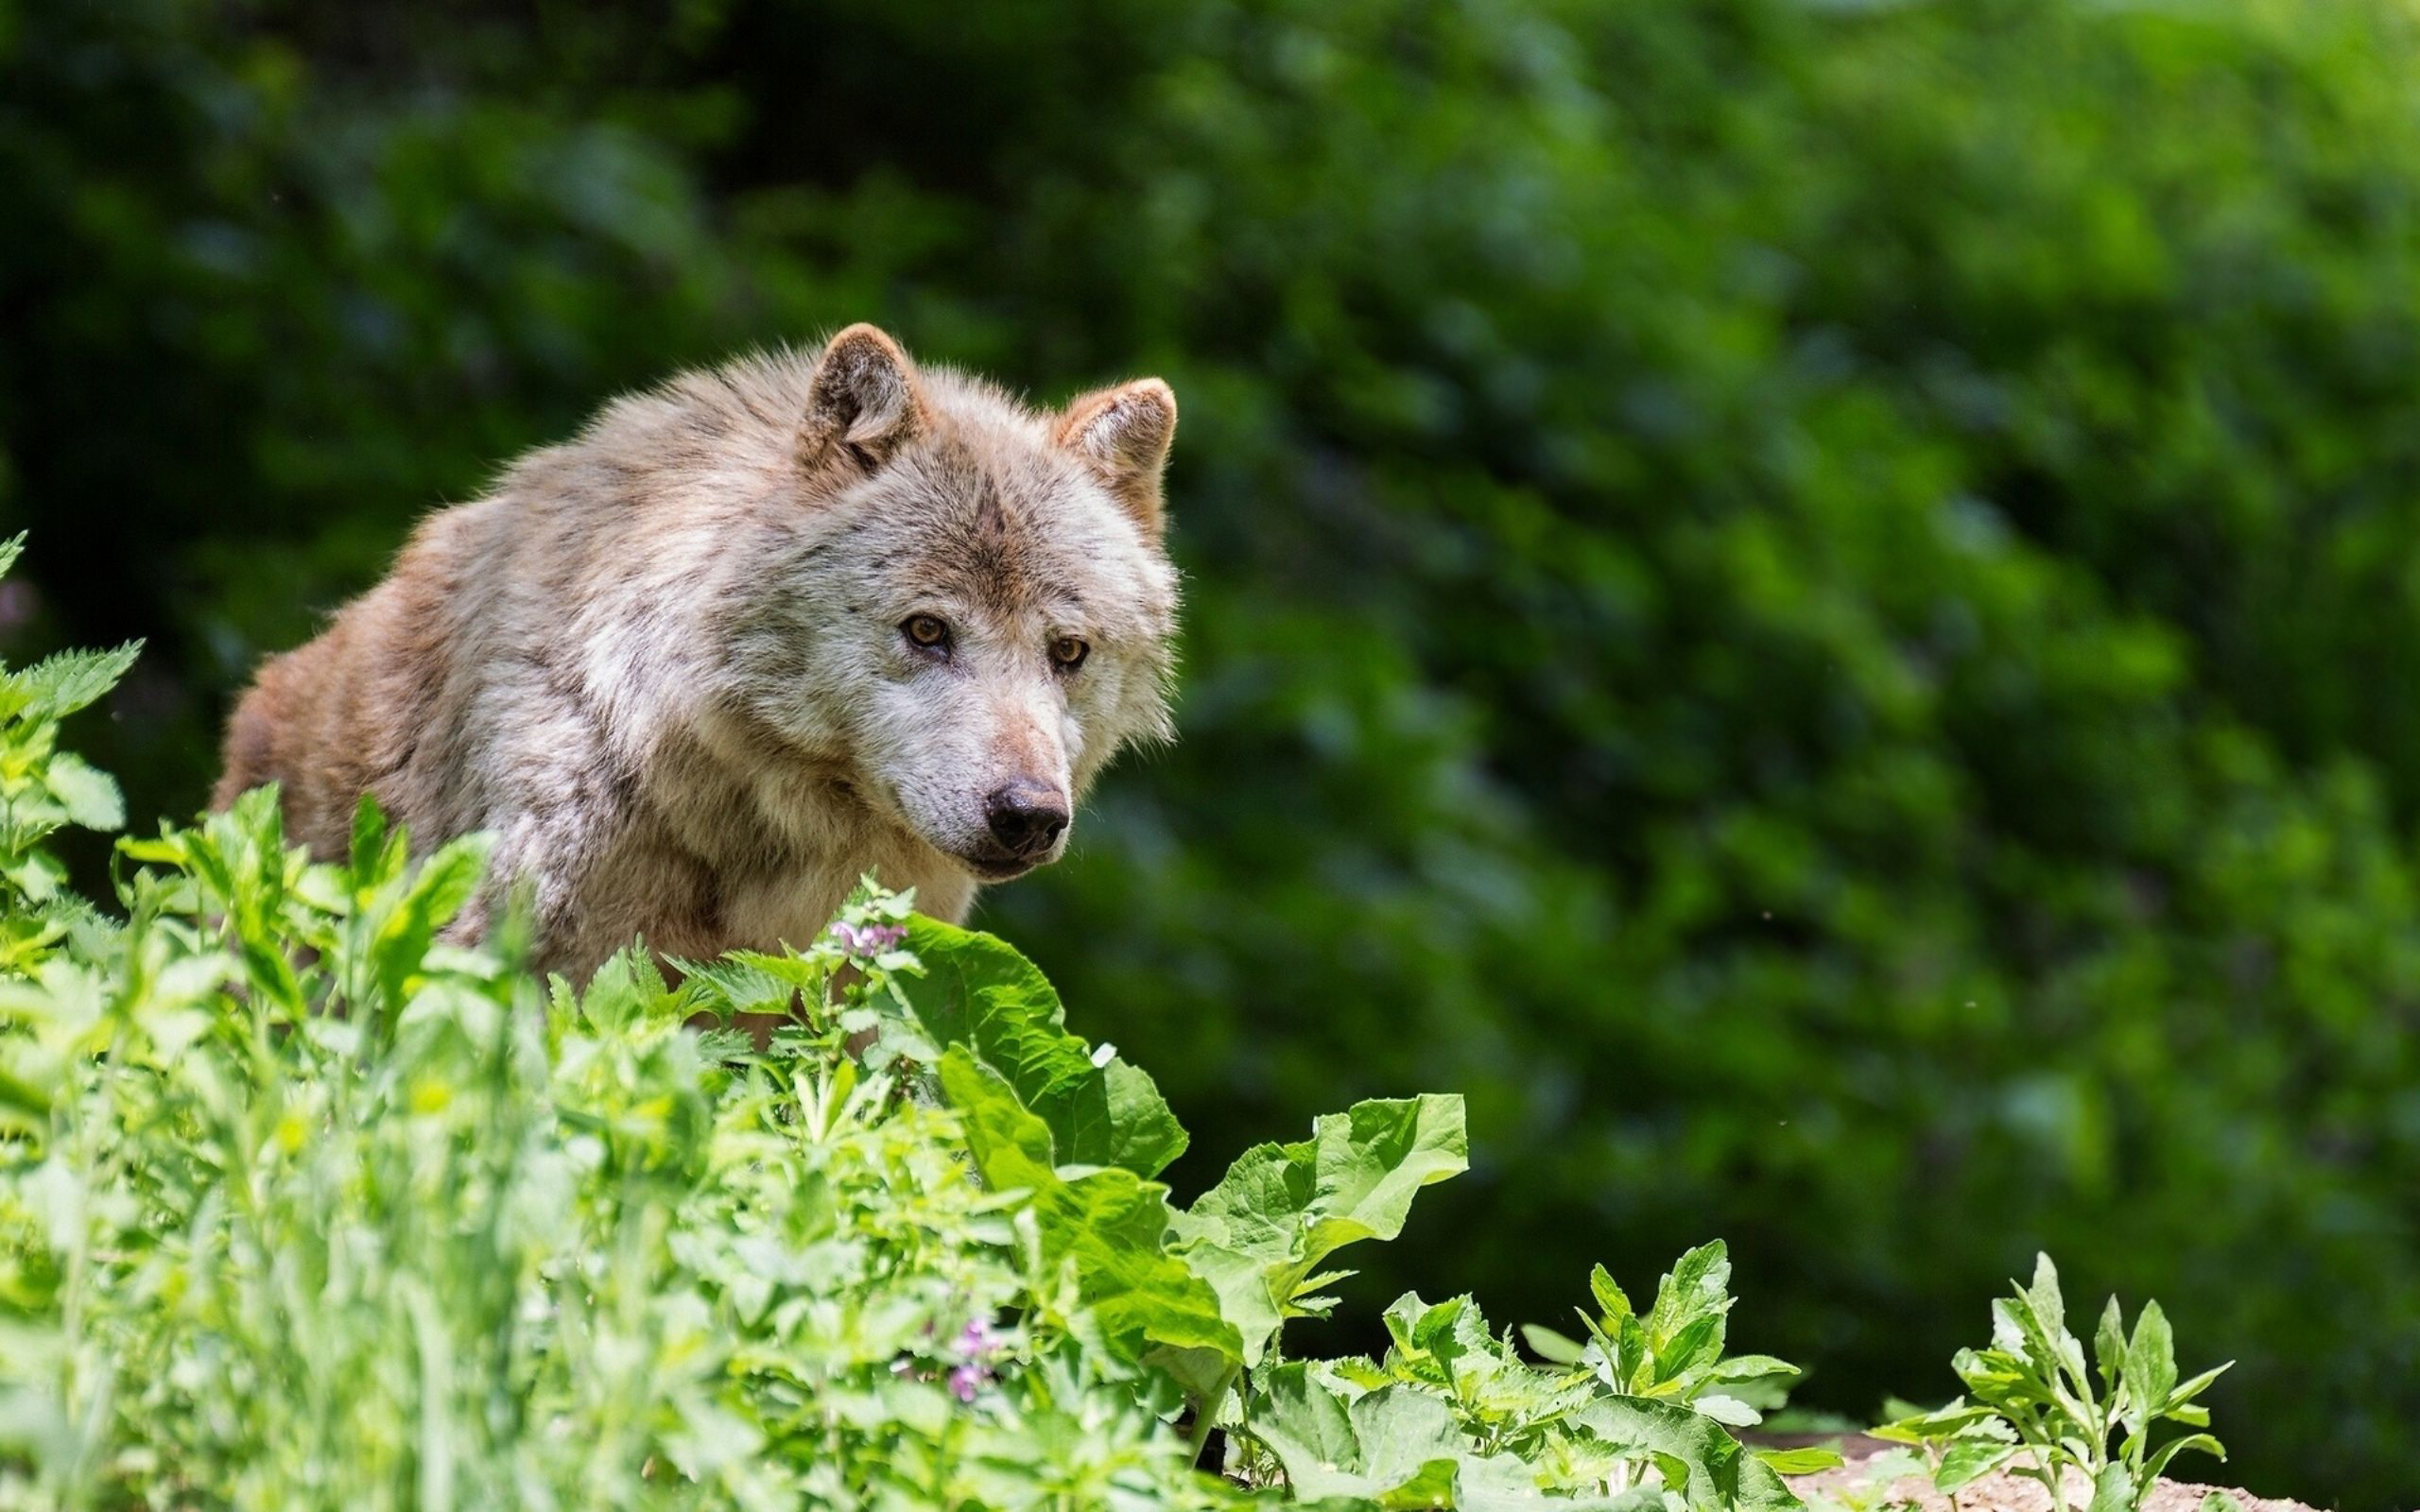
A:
{"x": 1745, "y": 1367}
{"x": 1282, "y": 1210}
{"x": 1109, "y": 1222}
{"x": 1968, "y": 1460}
{"x": 1398, "y": 1446}
{"x": 1696, "y": 1291}
{"x": 1717, "y": 1471}
{"x": 1507, "y": 1483}
{"x": 1730, "y": 1411}
{"x": 2113, "y": 1491}
{"x": 2150, "y": 1365}
{"x": 978, "y": 992}
{"x": 88, "y": 794}
{"x": 1297, "y": 1418}
{"x": 1012, "y": 1147}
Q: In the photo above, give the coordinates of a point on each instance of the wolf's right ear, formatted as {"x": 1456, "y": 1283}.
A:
{"x": 1123, "y": 433}
{"x": 863, "y": 404}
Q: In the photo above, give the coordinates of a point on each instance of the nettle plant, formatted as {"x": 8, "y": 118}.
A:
{"x": 2035, "y": 1410}
{"x": 302, "y": 1206}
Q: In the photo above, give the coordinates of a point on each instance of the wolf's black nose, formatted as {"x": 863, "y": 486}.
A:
{"x": 1026, "y": 815}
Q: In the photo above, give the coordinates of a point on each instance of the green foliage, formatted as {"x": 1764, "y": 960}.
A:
{"x": 981, "y": 993}
{"x": 1263, "y": 1231}
{"x": 2035, "y": 1409}
{"x": 304, "y": 1205}
{"x": 1453, "y": 1412}
{"x": 43, "y": 789}
{"x": 1675, "y": 1351}
{"x": 1810, "y": 603}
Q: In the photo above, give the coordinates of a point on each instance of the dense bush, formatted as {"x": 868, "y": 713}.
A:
{"x": 1811, "y": 602}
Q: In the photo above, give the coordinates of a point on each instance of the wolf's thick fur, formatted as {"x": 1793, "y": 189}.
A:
{"x": 677, "y": 665}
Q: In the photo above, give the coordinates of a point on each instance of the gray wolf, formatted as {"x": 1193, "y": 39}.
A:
{"x": 751, "y": 635}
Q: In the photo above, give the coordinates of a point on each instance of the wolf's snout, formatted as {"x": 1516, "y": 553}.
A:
{"x": 1026, "y": 817}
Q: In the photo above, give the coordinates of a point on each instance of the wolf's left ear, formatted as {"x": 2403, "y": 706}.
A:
{"x": 863, "y": 403}
{"x": 1123, "y": 433}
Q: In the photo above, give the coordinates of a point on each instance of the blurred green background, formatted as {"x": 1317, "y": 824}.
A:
{"x": 1817, "y": 604}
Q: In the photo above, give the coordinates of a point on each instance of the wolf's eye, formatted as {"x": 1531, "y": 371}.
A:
{"x": 926, "y": 632}
{"x": 1067, "y": 653}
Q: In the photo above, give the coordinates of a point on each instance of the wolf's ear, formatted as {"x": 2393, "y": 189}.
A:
{"x": 1123, "y": 436}
{"x": 863, "y": 404}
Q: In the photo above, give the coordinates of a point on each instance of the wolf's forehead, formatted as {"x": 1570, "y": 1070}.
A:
{"x": 1010, "y": 530}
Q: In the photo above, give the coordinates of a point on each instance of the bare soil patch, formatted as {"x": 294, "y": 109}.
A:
{"x": 1851, "y": 1485}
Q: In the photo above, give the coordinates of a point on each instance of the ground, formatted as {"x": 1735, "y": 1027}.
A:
{"x": 1847, "y": 1487}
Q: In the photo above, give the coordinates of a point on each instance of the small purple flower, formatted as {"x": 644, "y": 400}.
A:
{"x": 975, "y": 1341}
{"x": 868, "y": 940}
{"x": 965, "y": 1379}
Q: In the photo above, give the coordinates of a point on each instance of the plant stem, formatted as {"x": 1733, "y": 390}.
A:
{"x": 1207, "y": 1414}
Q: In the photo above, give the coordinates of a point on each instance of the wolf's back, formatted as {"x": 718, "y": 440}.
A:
{"x": 353, "y": 710}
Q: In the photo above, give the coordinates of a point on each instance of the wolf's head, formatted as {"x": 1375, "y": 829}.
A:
{"x": 973, "y": 612}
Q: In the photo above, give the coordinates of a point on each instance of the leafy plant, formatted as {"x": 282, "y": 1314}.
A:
{"x": 2035, "y": 1410}
{"x": 43, "y": 789}
{"x": 1453, "y": 1410}
{"x": 301, "y": 1205}
{"x": 1674, "y": 1352}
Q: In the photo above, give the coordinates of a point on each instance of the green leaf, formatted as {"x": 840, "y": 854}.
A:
{"x": 2199, "y": 1443}
{"x": 1109, "y": 1222}
{"x": 1941, "y": 1423}
{"x": 2109, "y": 1343}
{"x": 2049, "y": 1309}
{"x": 1727, "y": 1410}
{"x": 1806, "y": 1460}
{"x": 1697, "y": 1286}
{"x": 87, "y": 793}
{"x": 1686, "y": 1327}
{"x": 62, "y": 684}
{"x": 1012, "y": 1147}
{"x": 1282, "y": 1210}
{"x": 1610, "y": 1300}
{"x": 2191, "y": 1389}
{"x": 2150, "y": 1365}
{"x": 1968, "y": 1460}
{"x": 1547, "y": 1345}
{"x": 978, "y": 992}
{"x": 1398, "y": 1446}
{"x": 401, "y": 930}
{"x": 1718, "y": 1473}
{"x": 1741, "y": 1368}
{"x": 369, "y": 842}
{"x": 2114, "y": 1491}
